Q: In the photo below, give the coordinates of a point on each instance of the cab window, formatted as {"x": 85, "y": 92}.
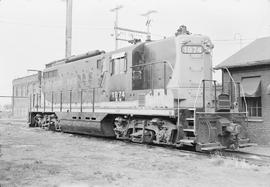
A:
{"x": 118, "y": 64}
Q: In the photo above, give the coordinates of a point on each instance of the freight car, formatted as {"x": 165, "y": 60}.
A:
{"x": 158, "y": 92}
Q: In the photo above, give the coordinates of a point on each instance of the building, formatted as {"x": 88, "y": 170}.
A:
{"x": 25, "y": 91}
{"x": 250, "y": 67}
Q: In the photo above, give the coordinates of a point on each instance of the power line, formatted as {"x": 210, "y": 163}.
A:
{"x": 50, "y": 26}
{"x": 229, "y": 40}
{"x": 244, "y": 40}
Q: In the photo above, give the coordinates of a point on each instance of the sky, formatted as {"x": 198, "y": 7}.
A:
{"x": 32, "y": 32}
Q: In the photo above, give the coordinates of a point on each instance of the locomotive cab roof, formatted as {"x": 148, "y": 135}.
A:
{"x": 141, "y": 46}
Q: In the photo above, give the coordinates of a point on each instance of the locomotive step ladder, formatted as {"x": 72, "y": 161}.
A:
{"x": 189, "y": 129}
{"x": 190, "y": 121}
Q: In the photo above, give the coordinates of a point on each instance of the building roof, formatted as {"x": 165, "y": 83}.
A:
{"x": 256, "y": 53}
{"x": 26, "y": 79}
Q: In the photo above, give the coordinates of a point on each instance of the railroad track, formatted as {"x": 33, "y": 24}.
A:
{"x": 252, "y": 158}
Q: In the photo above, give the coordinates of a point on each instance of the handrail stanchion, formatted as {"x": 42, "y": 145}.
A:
{"x": 70, "y": 100}
{"x": 44, "y": 103}
{"x": 34, "y": 101}
{"x": 52, "y": 101}
{"x": 151, "y": 79}
{"x": 37, "y": 106}
{"x": 203, "y": 95}
{"x": 238, "y": 97}
{"x": 30, "y": 103}
{"x": 93, "y": 101}
{"x": 81, "y": 100}
{"x": 231, "y": 92}
{"x": 178, "y": 113}
{"x": 164, "y": 77}
{"x": 215, "y": 85}
{"x": 61, "y": 101}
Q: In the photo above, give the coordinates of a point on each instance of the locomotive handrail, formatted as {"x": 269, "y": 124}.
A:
{"x": 231, "y": 77}
{"x": 221, "y": 112}
{"x": 61, "y": 99}
{"x": 152, "y": 63}
{"x": 197, "y": 94}
{"x": 171, "y": 67}
{"x": 235, "y": 87}
{"x": 240, "y": 88}
{"x": 164, "y": 70}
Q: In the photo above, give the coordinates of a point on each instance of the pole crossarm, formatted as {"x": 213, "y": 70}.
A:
{"x": 130, "y": 30}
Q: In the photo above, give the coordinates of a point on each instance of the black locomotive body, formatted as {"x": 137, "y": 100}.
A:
{"x": 158, "y": 92}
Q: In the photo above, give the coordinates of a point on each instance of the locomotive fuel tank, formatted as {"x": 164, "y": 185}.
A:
{"x": 98, "y": 124}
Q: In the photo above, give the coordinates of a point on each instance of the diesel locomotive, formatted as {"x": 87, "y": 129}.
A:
{"x": 156, "y": 92}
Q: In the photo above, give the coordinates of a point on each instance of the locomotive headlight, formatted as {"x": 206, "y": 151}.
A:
{"x": 208, "y": 46}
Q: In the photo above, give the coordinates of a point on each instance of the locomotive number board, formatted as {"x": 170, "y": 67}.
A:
{"x": 192, "y": 49}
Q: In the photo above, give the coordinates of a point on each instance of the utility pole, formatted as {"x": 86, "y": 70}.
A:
{"x": 116, "y": 9}
{"x": 148, "y": 22}
{"x": 68, "y": 27}
{"x": 39, "y": 73}
{"x": 13, "y": 100}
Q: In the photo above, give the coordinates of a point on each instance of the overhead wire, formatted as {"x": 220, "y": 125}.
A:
{"x": 224, "y": 41}
{"x": 51, "y": 26}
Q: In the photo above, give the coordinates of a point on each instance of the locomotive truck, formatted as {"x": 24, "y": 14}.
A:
{"x": 156, "y": 92}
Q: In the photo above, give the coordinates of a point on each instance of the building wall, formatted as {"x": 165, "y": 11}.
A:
{"x": 259, "y": 127}
{"x": 23, "y": 89}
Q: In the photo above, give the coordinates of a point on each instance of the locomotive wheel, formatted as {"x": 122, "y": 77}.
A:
{"x": 149, "y": 136}
{"x": 51, "y": 127}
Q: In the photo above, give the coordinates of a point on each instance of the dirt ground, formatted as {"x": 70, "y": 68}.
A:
{"x": 35, "y": 157}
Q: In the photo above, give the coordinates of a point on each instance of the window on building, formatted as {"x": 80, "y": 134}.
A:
{"x": 27, "y": 90}
{"x": 22, "y": 91}
{"x": 251, "y": 90}
{"x": 19, "y": 91}
{"x": 50, "y": 74}
{"x": 16, "y": 91}
{"x": 254, "y": 106}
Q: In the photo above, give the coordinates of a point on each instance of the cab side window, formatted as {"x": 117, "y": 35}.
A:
{"x": 118, "y": 64}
